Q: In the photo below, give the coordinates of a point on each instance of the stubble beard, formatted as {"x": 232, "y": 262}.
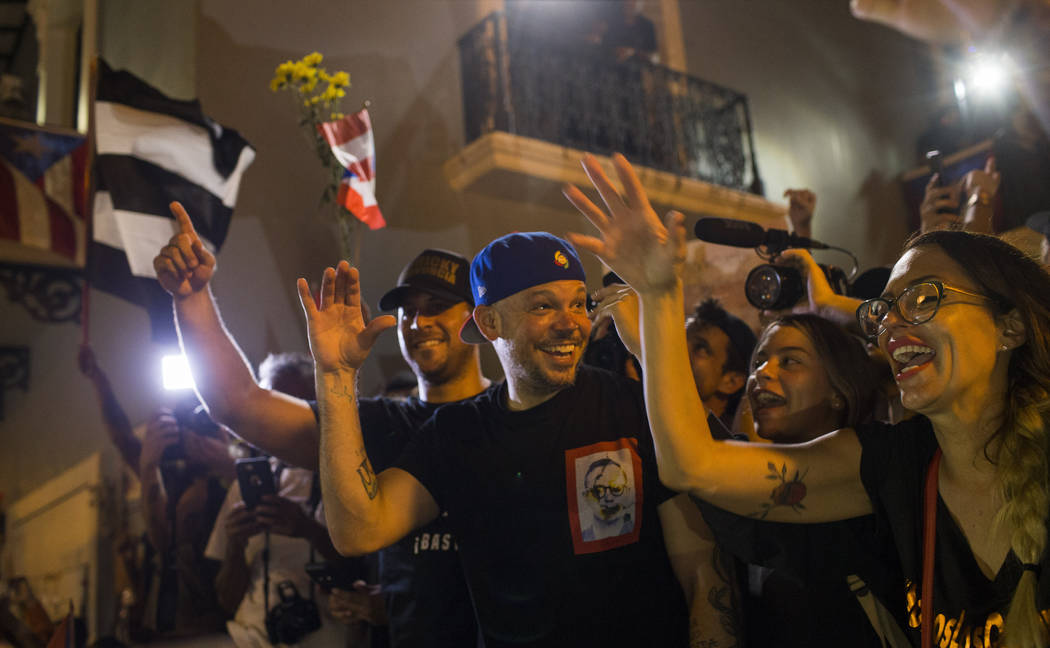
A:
{"x": 531, "y": 377}
{"x": 450, "y": 368}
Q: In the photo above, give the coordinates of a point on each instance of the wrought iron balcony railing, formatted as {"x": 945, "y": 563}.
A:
{"x": 521, "y": 84}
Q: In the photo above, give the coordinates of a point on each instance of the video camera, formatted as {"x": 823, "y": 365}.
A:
{"x": 771, "y": 286}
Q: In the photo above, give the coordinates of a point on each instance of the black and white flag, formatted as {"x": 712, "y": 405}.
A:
{"x": 151, "y": 150}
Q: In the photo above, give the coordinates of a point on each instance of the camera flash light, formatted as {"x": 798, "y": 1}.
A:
{"x": 175, "y": 372}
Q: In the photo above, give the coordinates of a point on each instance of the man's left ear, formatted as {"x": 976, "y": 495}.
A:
{"x": 1014, "y": 333}
{"x": 487, "y": 320}
{"x": 732, "y": 382}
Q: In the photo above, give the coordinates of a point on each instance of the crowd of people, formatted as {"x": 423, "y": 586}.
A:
{"x": 862, "y": 471}
{"x": 726, "y": 488}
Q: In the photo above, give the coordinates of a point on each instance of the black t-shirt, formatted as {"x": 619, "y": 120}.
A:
{"x": 555, "y": 511}
{"x": 426, "y": 595}
{"x": 793, "y": 577}
{"x": 803, "y": 599}
{"x": 967, "y": 605}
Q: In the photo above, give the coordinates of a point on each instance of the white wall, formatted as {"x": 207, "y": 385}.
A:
{"x": 835, "y": 104}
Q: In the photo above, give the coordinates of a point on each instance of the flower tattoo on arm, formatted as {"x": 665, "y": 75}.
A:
{"x": 789, "y": 492}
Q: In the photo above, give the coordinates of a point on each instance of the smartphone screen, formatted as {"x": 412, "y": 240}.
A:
{"x": 256, "y": 479}
{"x": 936, "y": 164}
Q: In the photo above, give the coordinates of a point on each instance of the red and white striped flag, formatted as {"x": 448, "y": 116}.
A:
{"x": 43, "y": 188}
{"x": 353, "y": 145}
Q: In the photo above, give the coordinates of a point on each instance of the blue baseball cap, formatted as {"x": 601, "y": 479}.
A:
{"x": 513, "y": 263}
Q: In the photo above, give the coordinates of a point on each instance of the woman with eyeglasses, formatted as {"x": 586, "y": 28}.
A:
{"x": 961, "y": 491}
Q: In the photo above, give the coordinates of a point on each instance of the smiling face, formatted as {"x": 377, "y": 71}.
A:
{"x": 428, "y": 331}
{"x": 792, "y": 399}
{"x": 708, "y": 354}
{"x": 540, "y": 335}
{"x": 954, "y": 355}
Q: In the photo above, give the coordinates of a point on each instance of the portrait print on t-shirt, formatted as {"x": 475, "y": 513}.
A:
{"x": 604, "y": 494}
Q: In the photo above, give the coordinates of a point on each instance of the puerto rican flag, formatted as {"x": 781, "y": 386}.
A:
{"x": 43, "y": 188}
{"x": 353, "y": 145}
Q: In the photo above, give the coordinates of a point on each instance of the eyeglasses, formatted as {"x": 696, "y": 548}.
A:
{"x": 916, "y": 304}
{"x": 598, "y": 491}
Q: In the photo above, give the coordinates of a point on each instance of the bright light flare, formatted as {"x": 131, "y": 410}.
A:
{"x": 988, "y": 75}
{"x": 175, "y": 372}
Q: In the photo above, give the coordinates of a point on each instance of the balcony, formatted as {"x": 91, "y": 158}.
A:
{"x": 531, "y": 108}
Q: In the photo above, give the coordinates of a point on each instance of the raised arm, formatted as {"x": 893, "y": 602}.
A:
{"x": 118, "y": 427}
{"x": 365, "y": 512}
{"x": 815, "y": 482}
{"x": 279, "y": 424}
{"x": 801, "y": 204}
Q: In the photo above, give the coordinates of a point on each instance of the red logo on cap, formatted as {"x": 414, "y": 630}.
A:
{"x": 561, "y": 259}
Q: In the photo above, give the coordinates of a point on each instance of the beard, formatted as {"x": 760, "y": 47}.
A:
{"x": 443, "y": 368}
{"x": 529, "y": 373}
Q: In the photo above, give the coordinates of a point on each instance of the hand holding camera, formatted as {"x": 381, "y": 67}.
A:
{"x": 211, "y": 452}
{"x": 161, "y": 439}
{"x": 794, "y": 284}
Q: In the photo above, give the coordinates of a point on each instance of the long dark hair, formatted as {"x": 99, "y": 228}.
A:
{"x": 1019, "y": 449}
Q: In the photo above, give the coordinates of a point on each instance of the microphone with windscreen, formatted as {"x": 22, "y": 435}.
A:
{"x": 738, "y": 233}
{"x": 768, "y": 286}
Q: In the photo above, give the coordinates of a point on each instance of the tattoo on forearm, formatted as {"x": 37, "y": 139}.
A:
{"x": 722, "y": 597}
{"x": 697, "y": 642}
{"x": 789, "y": 492}
{"x": 340, "y": 389}
{"x": 368, "y": 478}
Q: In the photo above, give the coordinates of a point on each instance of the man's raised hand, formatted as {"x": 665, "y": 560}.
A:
{"x": 801, "y": 204}
{"x": 339, "y": 337}
{"x": 184, "y": 266}
{"x": 646, "y": 253}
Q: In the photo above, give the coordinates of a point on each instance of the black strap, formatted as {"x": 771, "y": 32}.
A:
{"x": 266, "y": 576}
{"x": 313, "y": 502}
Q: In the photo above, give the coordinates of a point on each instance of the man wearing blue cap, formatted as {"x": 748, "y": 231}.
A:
{"x": 426, "y": 598}
{"x": 549, "y": 480}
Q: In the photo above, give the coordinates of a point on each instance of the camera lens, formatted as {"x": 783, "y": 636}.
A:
{"x": 770, "y": 287}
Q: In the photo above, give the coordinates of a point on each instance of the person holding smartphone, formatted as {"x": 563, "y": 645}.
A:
{"x": 269, "y": 527}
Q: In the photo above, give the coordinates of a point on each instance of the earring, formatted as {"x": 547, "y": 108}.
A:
{"x": 836, "y": 403}
{"x": 1002, "y": 348}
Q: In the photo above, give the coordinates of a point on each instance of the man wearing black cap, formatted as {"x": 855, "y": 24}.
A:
{"x": 525, "y": 470}
{"x": 426, "y": 596}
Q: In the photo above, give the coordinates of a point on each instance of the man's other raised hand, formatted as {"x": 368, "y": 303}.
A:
{"x": 339, "y": 337}
{"x": 184, "y": 266}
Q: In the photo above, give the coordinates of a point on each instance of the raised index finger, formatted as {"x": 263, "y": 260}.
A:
{"x": 182, "y": 218}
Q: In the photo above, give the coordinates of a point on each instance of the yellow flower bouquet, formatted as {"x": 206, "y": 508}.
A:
{"x": 318, "y": 94}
